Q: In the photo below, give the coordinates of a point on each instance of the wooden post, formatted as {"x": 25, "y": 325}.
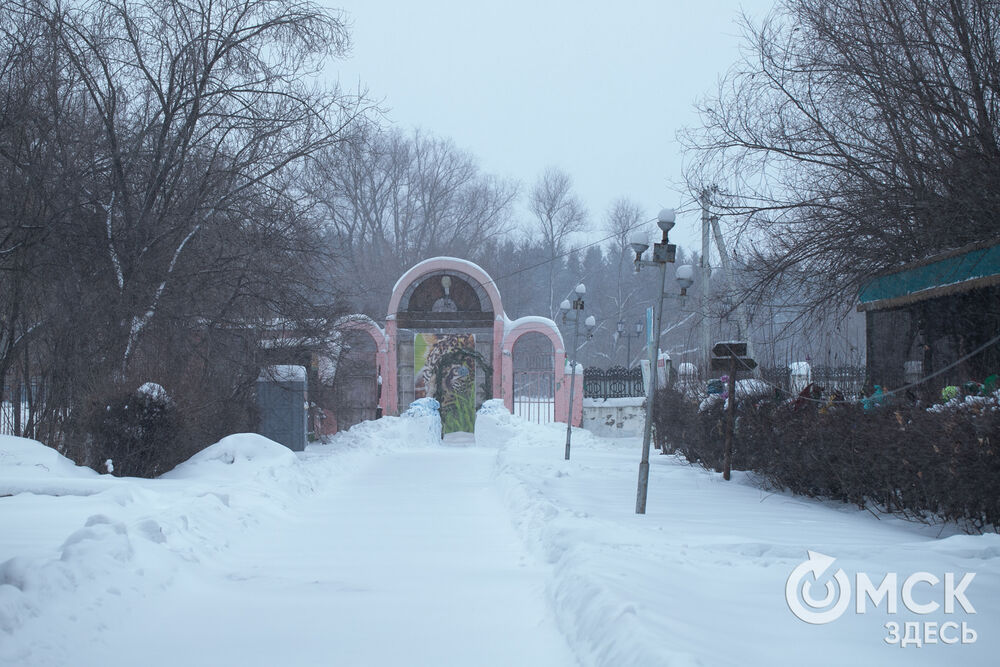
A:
{"x": 730, "y": 420}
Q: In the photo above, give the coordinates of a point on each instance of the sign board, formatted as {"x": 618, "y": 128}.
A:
{"x": 742, "y": 363}
{"x": 649, "y": 326}
{"x": 730, "y": 350}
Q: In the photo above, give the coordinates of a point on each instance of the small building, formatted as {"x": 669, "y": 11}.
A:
{"x": 936, "y": 320}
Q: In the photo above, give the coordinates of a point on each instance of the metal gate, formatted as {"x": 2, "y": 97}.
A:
{"x": 534, "y": 378}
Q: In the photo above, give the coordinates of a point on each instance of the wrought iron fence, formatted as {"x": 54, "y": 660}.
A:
{"x": 848, "y": 380}
{"x": 614, "y": 382}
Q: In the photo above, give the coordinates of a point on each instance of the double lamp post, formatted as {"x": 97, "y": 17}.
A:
{"x": 629, "y": 336}
{"x": 663, "y": 253}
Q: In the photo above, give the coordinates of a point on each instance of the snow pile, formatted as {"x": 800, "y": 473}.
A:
{"x": 240, "y": 455}
{"x": 127, "y": 536}
{"x": 418, "y": 426}
{"x": 28, "y": 465}
{"x": 97, "y": 563}
{"x": 154, "y": 391}
{"x": 21, "y": 457}
{"x": 495, "y": 425}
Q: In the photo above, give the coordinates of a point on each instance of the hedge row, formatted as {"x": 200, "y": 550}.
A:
{"x": 904, "y": 459}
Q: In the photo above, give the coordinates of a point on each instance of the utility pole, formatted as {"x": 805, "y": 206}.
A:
{"x": 710, "y": 227}
{"x": 706, "y": 275}
{"x": 727, "y": 268}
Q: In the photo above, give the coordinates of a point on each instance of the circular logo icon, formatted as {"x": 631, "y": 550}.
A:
{"x": 806, "y": 577}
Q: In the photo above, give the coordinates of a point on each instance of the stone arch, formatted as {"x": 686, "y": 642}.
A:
{"x": 366, "y": 400}
{"x": 409, "y": 311}
{"x": 480, "y": 281}
{"x": 546, "y": 327}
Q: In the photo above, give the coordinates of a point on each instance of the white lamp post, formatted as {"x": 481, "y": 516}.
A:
{"x": 576, "y": 308}
{"x": 663, "y": 253}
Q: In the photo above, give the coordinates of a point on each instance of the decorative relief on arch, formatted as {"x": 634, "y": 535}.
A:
{"x": 444, "y": 299}
{"x": 474, "y": 275}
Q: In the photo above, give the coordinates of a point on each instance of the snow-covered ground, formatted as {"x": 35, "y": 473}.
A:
{"x": 386, "y": 547}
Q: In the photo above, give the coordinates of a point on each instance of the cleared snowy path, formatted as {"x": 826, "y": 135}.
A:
{"x": 411, "y": 561}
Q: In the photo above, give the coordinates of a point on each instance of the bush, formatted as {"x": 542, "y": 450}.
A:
{"x": 140, "y": 433}
{"x": 904, "y": 459}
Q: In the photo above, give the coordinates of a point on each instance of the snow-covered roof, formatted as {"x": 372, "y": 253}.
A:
{"x": 283, "y": 374}
{"x": 472, "y": 266}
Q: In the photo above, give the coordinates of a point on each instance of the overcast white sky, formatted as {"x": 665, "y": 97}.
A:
{"x": 598, "y": 89}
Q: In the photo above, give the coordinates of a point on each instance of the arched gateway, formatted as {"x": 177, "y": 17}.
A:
{"x": 446, "y": 336}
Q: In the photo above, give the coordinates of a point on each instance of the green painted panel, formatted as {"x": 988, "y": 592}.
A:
{"x": 960, "y": 268}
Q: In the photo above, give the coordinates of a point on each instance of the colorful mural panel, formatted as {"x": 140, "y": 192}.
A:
{"x": 449, "y": 355}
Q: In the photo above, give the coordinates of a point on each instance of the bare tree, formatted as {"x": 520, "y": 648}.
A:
{"x": 855, "y": 135}
{"x": 153, "y": 223}
{"x": 623, "y": 220}
{"x": 200, "y": 104}
{"x": 558, "y": 213}
{"x": 392, "y": 199}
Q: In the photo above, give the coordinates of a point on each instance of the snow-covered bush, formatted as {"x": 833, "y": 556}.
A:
{"x": 140, "y": 432}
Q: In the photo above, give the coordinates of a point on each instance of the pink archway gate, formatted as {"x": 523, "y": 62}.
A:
{"x": 446, "y": 301}
{"x": 530, "y": 406}
{"x": 357, "y": 393}
{"x": 484, "y": 317}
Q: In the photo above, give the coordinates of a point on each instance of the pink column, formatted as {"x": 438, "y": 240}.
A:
{"x": 507, "y": 371}
{"x": 390, "y": 381}
{"x": 499, "y": 373}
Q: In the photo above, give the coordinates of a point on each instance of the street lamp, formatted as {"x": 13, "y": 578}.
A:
{"x": 576, "y": 308}
{"x": 664, "y": 253}
{"x": 619, "y": 332}
{"x": 628, "y": 339}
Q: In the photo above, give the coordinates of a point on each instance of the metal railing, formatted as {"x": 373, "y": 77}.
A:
{"x": 614, "y": 382}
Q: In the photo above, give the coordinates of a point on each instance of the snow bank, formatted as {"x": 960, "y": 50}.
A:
{"x": 97, "y": 563}
{"x": 495, "y": 425}
{"x": 21, "y": 457}
{"x": 238, "y": 455}
{"x": 710, "y": 559}
{"x": 29, "y": 466}
{"x": 419, "y": 425}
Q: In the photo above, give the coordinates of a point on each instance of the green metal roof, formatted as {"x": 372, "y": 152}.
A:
{"x": 953, "y": 272}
